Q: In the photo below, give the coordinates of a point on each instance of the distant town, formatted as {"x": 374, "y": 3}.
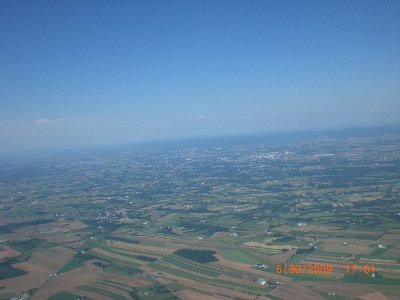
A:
{"x": 205, "y": 221}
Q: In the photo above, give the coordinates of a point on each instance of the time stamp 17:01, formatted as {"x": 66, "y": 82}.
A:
{"x": 321, "y": 268}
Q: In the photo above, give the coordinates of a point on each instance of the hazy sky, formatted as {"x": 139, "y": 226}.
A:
{"x": 98, "y": 72}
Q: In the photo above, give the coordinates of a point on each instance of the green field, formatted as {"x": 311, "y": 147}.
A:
{"x": 150, "y": 223}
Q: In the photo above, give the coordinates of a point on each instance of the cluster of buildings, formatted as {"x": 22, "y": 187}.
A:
{"x": 268, "y": 283}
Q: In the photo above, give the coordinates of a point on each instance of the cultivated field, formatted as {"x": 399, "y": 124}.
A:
{"x": 207, "y": 222}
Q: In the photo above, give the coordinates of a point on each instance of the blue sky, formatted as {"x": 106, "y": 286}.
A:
{"x": 103, "y": 72}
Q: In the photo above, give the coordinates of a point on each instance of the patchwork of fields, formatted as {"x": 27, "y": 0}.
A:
{"x": 209, "y": 222}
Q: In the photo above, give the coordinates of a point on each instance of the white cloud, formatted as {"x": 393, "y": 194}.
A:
{"x": 47, "y": 121}
{"x": 41, "y": 121}
{"x": 200, "y": 117}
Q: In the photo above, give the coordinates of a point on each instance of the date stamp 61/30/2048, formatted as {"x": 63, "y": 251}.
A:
{"x": 293, "y": 269}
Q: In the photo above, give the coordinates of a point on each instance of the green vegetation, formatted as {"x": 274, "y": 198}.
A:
{"x": 28, "y": 246}
{"x": 379, "y": 252}
{"x": 120, "y": 239}
{"x": 72, "y": 264}
{"x": 101, "y": 292}
{"x": 25, "y": 248}
{"x": 367, "y": 278}
{"x": 305, "y": 251}
{"x": 180, "y": 273}
{"x": 146, "y": 258}
{"x": 8, "y": 271}
{"x": 113, "y": 285}
{"x": 65, "y": 296}
{"x": 78, "y": 260}
{"x": 12, "y": 226}
{"x": 189, "y": 265}
{"x": 207, "y": 229}
{"x": 326, "y": 295}
{"x": 241, "y": 257}
{"x": 201, "y": 256}
{"x": 119, "y": 268}
{"x": 123, "y": 253}
{"x": 156, "y": 292}
{"x": 329, "y": 199}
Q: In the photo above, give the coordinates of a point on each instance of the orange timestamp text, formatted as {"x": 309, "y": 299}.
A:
{"x": 303, "y": 269}
{"x": 366, "y": 268}
{"x": 296, "y": 269}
